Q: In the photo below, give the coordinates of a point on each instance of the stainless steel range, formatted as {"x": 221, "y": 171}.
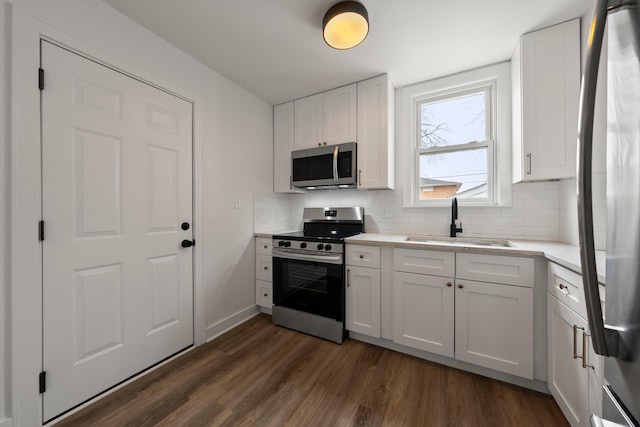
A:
{"x": 309, "y": 272}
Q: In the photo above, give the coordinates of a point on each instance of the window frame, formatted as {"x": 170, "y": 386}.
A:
{"x": 494, "y": 78}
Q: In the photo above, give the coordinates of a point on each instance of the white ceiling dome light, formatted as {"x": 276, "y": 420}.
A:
{"x": 345, "y": 25}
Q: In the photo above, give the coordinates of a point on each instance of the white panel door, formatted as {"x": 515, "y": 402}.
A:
{"x": 117, "y": 186}
{"x": 494, "y": 326}
{"x": 308, "y": 119}
{"x": 423, "y": 315}
{"x": 363, "y": 300}
{"x": 568, "y": 381}
{"x": 339, "y": 116}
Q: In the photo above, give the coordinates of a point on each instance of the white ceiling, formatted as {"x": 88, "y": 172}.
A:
{"x": 274, "y": 48}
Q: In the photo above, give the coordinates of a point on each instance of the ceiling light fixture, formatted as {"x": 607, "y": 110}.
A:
{"x": 345, "y": 25}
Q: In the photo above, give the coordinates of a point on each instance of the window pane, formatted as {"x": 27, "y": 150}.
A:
{"x": 453, "y": 121}
{"x": 459, "y": 173}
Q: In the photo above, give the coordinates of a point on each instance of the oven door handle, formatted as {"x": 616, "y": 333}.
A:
{"x": 327, "y": 259}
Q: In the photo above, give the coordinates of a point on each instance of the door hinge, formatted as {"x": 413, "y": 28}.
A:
{"x": 42, "y": 380}
{"x": 41, "y": 78}
{"x": 41, "y": 231}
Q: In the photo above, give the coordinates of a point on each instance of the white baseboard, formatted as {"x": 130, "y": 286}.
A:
{"x": 7, "y": 422}
{"x": 220, "y": 327}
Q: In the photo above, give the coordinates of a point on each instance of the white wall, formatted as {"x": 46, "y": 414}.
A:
{"x": 5, "y": 171}
{"x": 540, "y": 211}
{"x": 533, "y": 215}
{"x": 236, "y": 130}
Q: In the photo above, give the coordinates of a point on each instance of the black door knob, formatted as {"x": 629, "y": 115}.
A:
{"x": 188, "y": 243}
{"x": 185, "y": 226}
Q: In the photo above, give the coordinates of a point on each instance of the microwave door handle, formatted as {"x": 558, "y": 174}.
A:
{"x": 335, "y": 163}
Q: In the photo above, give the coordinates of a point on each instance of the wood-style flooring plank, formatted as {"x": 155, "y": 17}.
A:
{"x": 259, "y": 374}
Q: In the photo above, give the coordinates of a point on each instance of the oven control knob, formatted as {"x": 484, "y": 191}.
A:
{"x": 287, "y": 244}
{"x": 320, "y": 246}
{"x": 281, "y": 243}
{"x": 327, "y": 247}
{"x": 303, "y": 245}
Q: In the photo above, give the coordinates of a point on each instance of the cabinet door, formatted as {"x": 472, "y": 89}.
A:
{"x": 340, "y": 115}
{"x": 308, "y": 119}
{"x": 423, "y": 312}
{"x": 264, "y": 293}
{"x": 548, "y": 112}
{"x": 264, "y": 267}
{"x": 375, "y": 134}
{"x": 362, "y": 255}
{"x": 420, "y": 261}
{"x": 363, "y": 300}
{"x": 494, "y": 326}
{"x": 566, "y": 378}
{"x": 283, "y": 144}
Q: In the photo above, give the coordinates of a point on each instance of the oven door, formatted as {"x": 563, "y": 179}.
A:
{"x": 309, "y": 285}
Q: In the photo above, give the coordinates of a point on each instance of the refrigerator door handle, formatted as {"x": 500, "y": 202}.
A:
{"x": 604, "y": 343}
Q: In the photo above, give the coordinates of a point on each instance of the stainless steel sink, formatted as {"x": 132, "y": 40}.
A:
{"x": 459, "y": 241}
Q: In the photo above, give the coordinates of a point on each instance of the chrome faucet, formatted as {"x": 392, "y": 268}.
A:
{"x": 454, "y": 229}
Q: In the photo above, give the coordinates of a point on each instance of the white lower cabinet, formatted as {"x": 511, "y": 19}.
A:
{"x": 264, "y": 279}
{"x": 362, "y": 295}
{"x": 574, "y": 370}
{"x": 363, "y": 300}
{"x": 423, "y": 312}
{"x": 494, "y": 326}
{"x": 486, "y": 323}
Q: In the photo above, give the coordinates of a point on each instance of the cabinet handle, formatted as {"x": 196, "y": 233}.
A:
{"x": 324, "y": 143}
{"x": 361, "y": 256}
{"x": 528, "y": 163}
{"x": 561, "y": 286}
{"x": 460, "y": 286}
{"x": 564, "y": 289}
{"x": 449, "y": 284}
{"x": 359, "y": 176}
{"x": 265, "y": 246}
{"x": 266, "y": 268}
{"x": 348, "y": 274}
{"x": 266, "y": 295}
{"x": 584, "y": 351}
{"x": 575, "y": 343}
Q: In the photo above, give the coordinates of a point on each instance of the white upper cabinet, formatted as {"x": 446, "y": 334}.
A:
{"x": 283, "y": 144}
{"x": 361, "y": 112}
{"x": 340, "y": 115}
{"x": 326, "y": 118}
{"x": 308, "y": 119}
{"x": 546, "y": 92}
{"x": 375, "y": 134}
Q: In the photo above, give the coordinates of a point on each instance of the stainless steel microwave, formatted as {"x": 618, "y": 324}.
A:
{"x": 326, "y": 167}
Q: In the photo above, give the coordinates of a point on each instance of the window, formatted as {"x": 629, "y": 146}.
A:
{"x": 457, "y": 140}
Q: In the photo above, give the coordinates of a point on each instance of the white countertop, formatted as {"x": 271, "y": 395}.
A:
{"x": 561, "y": 253}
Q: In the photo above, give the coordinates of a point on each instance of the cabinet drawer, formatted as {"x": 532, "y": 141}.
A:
{"x": 566, "y": 285}
{"x": 363, "y": 256}
{"x": 263, "y": 245}
{"x": 419, "y": 261}
{"x": 263, "y": 267}
{"x": 495, "y": 269}
{"x": 263, "y": 293}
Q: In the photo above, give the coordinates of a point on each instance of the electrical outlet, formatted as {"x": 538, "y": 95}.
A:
{"x": 238, "y": 204}
{"x": 386, "y": 212}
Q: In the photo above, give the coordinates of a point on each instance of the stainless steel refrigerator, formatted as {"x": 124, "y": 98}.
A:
{"x": 617, "y": 336}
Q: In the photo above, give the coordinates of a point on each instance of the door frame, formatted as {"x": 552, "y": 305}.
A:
{"x": 26, "y": 207}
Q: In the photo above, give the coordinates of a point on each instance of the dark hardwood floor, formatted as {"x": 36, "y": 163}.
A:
{"x": 263, "y": 375}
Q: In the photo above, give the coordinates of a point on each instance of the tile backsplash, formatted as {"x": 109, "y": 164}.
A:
{"x": 540, "y": 211}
